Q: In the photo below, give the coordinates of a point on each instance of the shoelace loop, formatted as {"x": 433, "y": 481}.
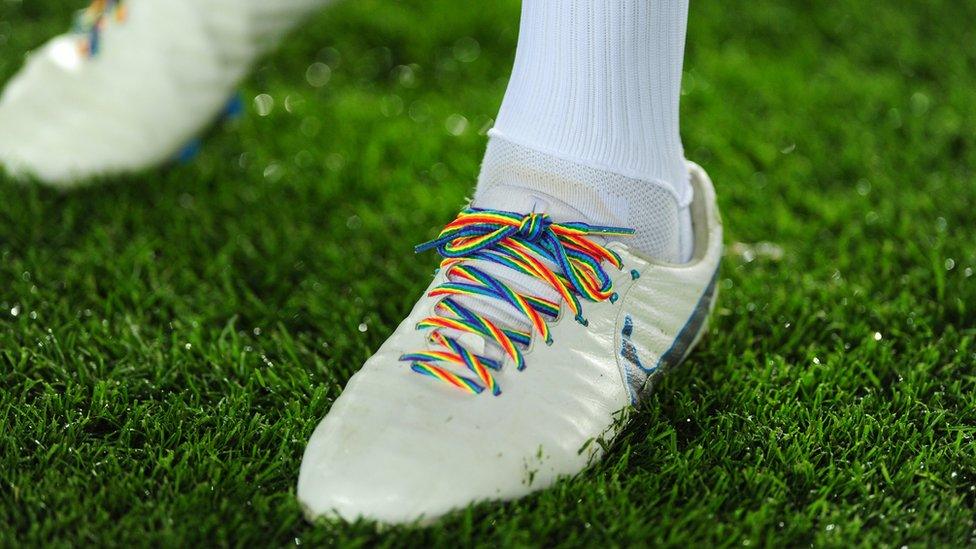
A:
{"x": 533, "y": 226}
{"x": 527, "y": 243}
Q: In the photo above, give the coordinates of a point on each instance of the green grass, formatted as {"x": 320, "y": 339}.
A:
{"x": 169, "y": 340}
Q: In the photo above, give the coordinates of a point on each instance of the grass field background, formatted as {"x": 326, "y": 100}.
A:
{"x": 169, "y": 340}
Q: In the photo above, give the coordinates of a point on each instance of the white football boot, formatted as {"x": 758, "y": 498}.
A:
{"x": 133, "y": 83}
{"x": 439, "y": 418}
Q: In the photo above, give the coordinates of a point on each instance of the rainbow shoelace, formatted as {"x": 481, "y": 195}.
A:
{"x": 529, "y": 244}
{"x": 91, "y": 21}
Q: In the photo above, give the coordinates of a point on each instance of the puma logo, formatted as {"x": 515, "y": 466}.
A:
{"x": 627, "y": 348}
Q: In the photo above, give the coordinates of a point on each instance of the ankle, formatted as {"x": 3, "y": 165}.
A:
{"x": 516, "y": 177}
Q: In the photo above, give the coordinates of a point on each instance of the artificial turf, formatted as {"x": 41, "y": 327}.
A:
{"x": 169, "y": 340}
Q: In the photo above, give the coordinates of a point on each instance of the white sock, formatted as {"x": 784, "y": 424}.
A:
{"x": 591, "y": 114}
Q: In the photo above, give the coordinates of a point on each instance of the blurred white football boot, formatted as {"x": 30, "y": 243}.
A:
{"x": 133, "y": 83}
{"x": 467, "y": 401}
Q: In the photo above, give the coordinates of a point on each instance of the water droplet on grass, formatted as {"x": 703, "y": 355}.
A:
{"x": 293, "y": 102}
{"x": 391, "y": 105}
{"x": 318, "y": 74}
{"x": 264, "y": 104}
{"x": 406, "y": 75}
{"x": 467, "y": 49}
{"x": 920, "y": 103}
{"x": 456, "y": 124}
{"x": 334, "y": 162}
{"x": 759, "y": 250}
{"x": 419, "y": 111}
{"x": 273, "y": 172}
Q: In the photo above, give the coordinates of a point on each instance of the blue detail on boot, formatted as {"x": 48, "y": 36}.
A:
{"x": 234, "y": 108}
{"x": 189, "y": 151}
{"x": 628, "y": 350}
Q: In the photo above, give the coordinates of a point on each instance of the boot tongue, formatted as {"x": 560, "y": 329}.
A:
{"x": 510, "y": 198}
{"x": 520, "y": 198}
